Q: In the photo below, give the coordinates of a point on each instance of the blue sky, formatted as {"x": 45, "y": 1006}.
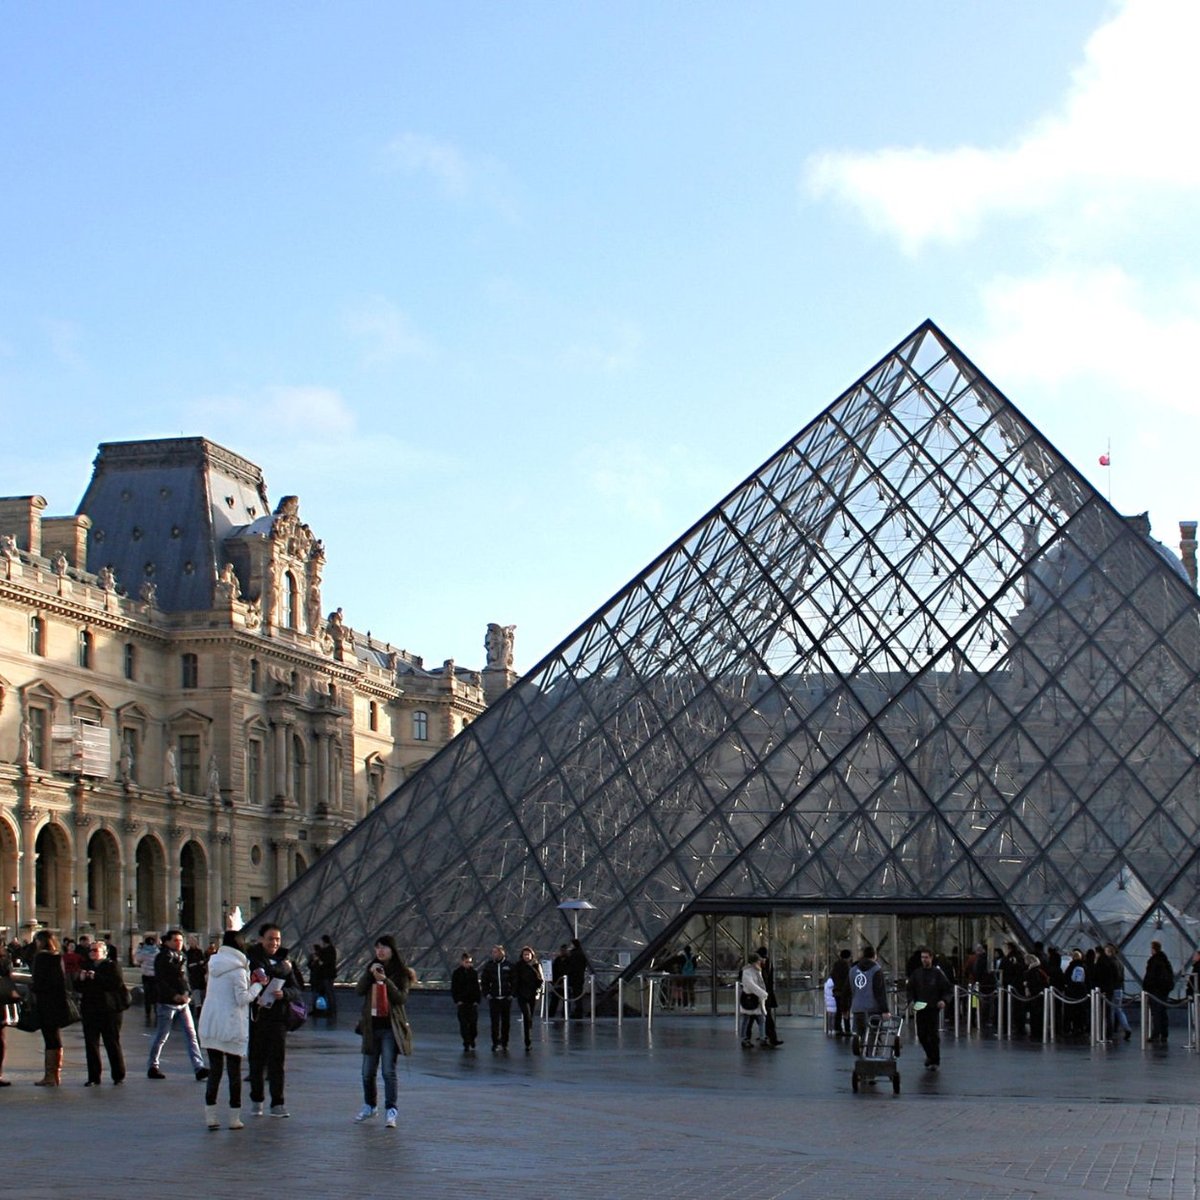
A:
{"x": 510, "y": 294}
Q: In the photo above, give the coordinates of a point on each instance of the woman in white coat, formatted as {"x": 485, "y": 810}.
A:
{"x": 225, "y": 1024}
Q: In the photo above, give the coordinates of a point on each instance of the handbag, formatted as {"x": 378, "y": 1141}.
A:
{"x": 73, "y": 1017}
{"x": 124, "y": 997}
{"x": 749, "y": 1002}
{"x": 27, "y": 1019}
{"x": 294, "y": 1015}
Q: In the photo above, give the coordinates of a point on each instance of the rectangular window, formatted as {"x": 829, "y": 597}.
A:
{"x": 130, "y": 660}
{"x": 39, "y": 729}
{"x": 37, "y": 636}
{"x": 189, "y": 671}
{"x": 254, "y": 763}
{"x": 189, "y": 763}
{"x": 420, "y": 726}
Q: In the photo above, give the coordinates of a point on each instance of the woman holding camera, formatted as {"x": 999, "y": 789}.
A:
{"x": 384, "y": 1027}
{"x": 102, "y": 999}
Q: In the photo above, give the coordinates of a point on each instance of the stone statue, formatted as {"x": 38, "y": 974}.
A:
{"x": 59, "y": 563}
{"x": 149, "y": 593}
{"x": 313, "y": 607}
{"x": 213, "y": 791}
{"x": 125, "y": 765}
{"x": 228, "y": 587}
{"x": 24, "y": 742}
{"x": 498, "y": 645}
{"x": 170, "y": 771}
{"x": 106, "y": 580}
{"x": 8, "y": 545}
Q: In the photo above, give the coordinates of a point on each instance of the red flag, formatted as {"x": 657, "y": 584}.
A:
{"x": 1105, "y": 460}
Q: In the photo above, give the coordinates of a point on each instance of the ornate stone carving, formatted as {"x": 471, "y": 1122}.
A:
{"x": 149, "y": 593}
{"x": 498, "y": 645}
{"x": 213, "y": 790}
{"x": 106, "y": 580}
{"x": 59, "y": 564}
{"x": 8, "y": 546}
{"x": 228, "y": 588}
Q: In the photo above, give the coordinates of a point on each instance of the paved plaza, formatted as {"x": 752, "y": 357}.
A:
{"x": 610, "y": 1111}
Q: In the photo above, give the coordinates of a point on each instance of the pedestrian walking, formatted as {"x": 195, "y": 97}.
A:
{"x": 384, "y": 1027}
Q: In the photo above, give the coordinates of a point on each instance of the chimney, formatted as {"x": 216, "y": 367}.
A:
{"x": 21, "y": 516}
{"x": 1187, "y": 548}
{"x": 68, "y": 534}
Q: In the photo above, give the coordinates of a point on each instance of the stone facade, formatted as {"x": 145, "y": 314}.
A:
{"x": 183, "y": 729}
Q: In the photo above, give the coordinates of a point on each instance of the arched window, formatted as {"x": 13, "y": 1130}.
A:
{"x": 291, "y": 602}
{"x": 420, "y": 726}
{"x": 85, "y": 649}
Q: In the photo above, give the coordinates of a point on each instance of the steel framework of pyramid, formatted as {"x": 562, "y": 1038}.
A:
{"x": 914, "y": 659}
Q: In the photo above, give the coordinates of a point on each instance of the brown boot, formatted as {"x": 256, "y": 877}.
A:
{"x": 53, "y": 1075}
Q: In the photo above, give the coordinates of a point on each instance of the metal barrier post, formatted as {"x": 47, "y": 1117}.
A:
{"x": 957, "y": 1008}
{"x": 650, "y": 1004}
{"x": 592, "y": 997}
{"x": 620, "y": 998}
{"x": 1051, "y": 1013}
{"x": 1145, "y": 1030}
{"x": 1097, "y": 1025}
{"x": 1004, "y": 1015}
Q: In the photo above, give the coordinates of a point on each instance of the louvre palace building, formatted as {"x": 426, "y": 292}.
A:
{"x": 913, "y": 681}
{"x": 184, "y": 727}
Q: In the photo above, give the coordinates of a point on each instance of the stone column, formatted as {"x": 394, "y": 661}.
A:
{"x": 321, "y": 784}
{"x": 282, "y": 758}
{"x": 129, "y": 830}
{"x": 28, "y": 816}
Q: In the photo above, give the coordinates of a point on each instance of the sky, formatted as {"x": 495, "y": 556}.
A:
{"x": 511, "y": 294}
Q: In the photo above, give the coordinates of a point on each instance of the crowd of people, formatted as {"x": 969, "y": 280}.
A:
{"x": 856, "y": 990}
{"x": 244, "y": 997}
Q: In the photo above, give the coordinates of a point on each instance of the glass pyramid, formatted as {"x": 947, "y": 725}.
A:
{"x": 915, "y": 658}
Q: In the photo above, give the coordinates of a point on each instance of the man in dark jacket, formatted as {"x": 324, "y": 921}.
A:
{"x": 174, "y": 996}
{"x": 577, "y": 967}
{"x": 496, "y": 983}
{"x": 466, "y": 994}
{"x": 1158, "y": 982}
{"x": 928, "y": 992}
{"x": 868, "y": 990}
{"x": 558, "y": 980}
{"x": 270, "y": 964}
{"x": 842, "y": 993}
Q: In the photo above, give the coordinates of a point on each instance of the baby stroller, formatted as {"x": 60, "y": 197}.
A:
{"x": 876, "y": 1053}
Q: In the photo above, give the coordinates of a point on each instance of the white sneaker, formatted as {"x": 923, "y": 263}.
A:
{"x": 390, "y": 1123}
{"x": 366, "y": 1113}
{"x": 256, "y": 1108}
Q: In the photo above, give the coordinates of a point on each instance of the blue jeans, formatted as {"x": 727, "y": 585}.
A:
{"x": 168, "y": 1014}
{"x": 385, "y": 1051}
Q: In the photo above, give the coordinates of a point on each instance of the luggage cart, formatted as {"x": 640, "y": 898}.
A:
{"x": 876, "y": 1053}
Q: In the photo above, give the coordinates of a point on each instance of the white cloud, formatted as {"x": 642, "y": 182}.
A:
{"x": 65, "y": 338}
{"x": 385, "y": 330}
{"x": 1126, "y": 125}
{"x": 458, "y": 176}
{"x": 292, "y": 413}
{"x": 608, "y": 350}
{"x": 642, "y": 482}
{"x": 1096, "y": 326}
{"x": 415, "y": 154}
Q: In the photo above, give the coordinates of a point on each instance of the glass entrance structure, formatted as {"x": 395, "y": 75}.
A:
{"x": 914, "y": 664}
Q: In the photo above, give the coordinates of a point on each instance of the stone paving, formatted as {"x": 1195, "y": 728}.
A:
{"x": 610, "y": 1111}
